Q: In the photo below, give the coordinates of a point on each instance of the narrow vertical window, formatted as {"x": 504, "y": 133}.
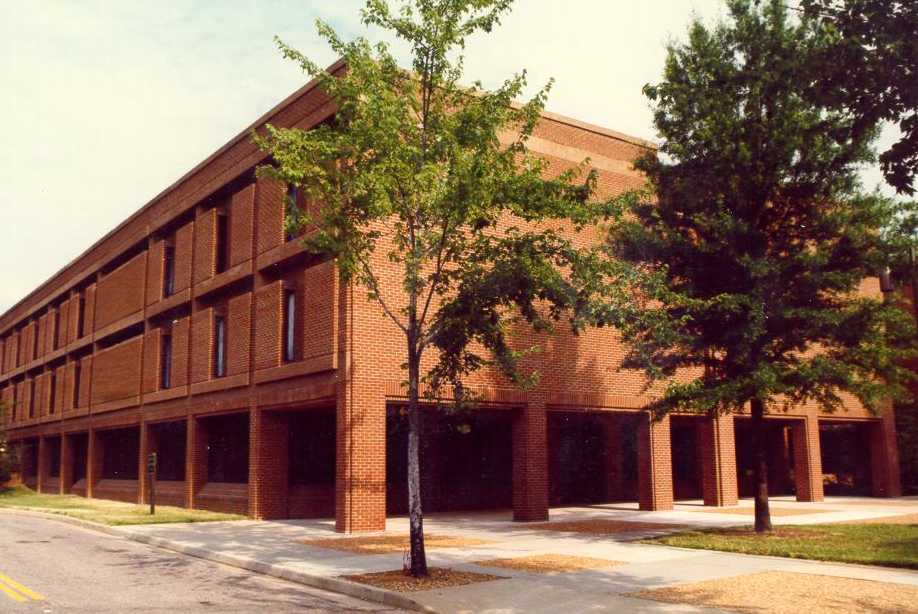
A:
{"x": 34, "y": 342}
{"x": 222, "y": 241}
{"x": 292, "y": 198}
{"x": 165, "y": 362}
{"x": 219, "y": 346}
{"x": 31, "y": 398}
{"x": 55, "y": 338}
{"x": 168, "y": 271}
{"x": 289, "y": 326}
{"x": 77, "y": 372}
{"x": 53, "y": 393}
{"x": 81, "y": 316}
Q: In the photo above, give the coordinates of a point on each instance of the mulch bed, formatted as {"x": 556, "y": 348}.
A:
{"x": 779, "y": 592}
{"x": 750, "y": 511}
{"x": 398, "y": 580}
{"x": 602, "y": 526}
{"x": 550, "y": 563}
{"x": 385, "y": 544}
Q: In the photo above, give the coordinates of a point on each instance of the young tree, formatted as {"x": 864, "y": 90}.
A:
{"x": 413, "y": 174}
{"x": 870, "y": 70}
{"x": 751, "y": 247}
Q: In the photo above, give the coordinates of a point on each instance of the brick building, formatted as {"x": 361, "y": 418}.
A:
{"x": 198, "y": 330}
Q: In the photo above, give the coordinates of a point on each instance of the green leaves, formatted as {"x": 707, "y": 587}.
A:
{"x": 749, "y": 252}
{"x": 433, "y": 179}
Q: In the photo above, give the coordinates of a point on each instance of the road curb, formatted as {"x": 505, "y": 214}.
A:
{"x": 335, "y": 585}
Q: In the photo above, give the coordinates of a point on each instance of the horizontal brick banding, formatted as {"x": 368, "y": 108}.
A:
{"x": 116, "y": 371}
{"x": 121, "y": 292}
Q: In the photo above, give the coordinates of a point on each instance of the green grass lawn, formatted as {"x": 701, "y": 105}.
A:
{"x": 890, "y": 545}
{"x": 113, "y": 513}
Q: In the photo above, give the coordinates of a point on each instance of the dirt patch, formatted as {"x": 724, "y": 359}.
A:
{"x": 398, "y": 580}
{"x": 550, "y": 563}
{"x": 901, "y": 519}
{"x": 384, "y": 544}
{"x": 750, "y": 511}
{"x": 777, "y": 532}
{"x": 600, "y": 526}
{"x": 778, "y": 592}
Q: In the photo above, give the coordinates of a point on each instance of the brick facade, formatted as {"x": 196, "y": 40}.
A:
{"x": 96, "y": 330}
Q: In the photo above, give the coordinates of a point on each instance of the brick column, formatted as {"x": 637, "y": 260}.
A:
{"x": 655, "y": 464}
{"x": 807, "y": 459}
{"x": 360, "y": 466}
{"x": 66, "y": 463}
{"x": 615, "y": 458}
{"x": 44, "y": 464}
{"x": 530, "y": 462}
{"x": 195, "y": 459}
{"x": 93, "y": 461}
{"x": 718, "y": 461}
{"x": 269, "y": 464}
{"x": 885, "y": 479}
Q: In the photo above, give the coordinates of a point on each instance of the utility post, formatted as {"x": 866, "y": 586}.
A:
{"x": 151, "y": 479}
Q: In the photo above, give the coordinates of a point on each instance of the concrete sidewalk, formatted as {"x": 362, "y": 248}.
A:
{"x": 274, "y": 547}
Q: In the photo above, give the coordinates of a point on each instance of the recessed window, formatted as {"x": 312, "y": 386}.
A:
{"x": 222, "y": 242}
{"x": 290, "y": 326}
{"x": 31, "y": 398}
{"x": 53, "y": 393}
{"x": 165, "y": 362}
{"x": 219, "y": 346}
{"x": 77, "y": 373}
{"x": 293, "y": 196}
{"x": 55, "y": 337}
{"x": 81, "y": 316}
{"x": 168, "y": 270}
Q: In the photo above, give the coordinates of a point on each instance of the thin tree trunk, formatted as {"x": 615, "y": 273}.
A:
{"x": 415, "y": 514}
{"x": 760, "y": 468}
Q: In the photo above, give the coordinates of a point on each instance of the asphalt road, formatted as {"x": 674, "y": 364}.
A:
{"x": 48, "y": 566}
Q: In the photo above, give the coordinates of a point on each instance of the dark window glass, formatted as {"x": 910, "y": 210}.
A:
{"x": 82, "y": 314}
{"x": 290, "y": 326}
{"x": 53, "y": 393}
{"x": 57, "y": 329}
{"x": 54, "y": 470}
{"x": 35, "y": 342}
{"x": 170, "y": 450}
{"x": 80, "y": 443}
{"x": 228, "y": 449}
{"x": 293, "y": 197}
{"x": 165, "y": 362}
{"x": 312, "y": 447}
{"x": 120, "y": 454}
{"x": 77, "y": 373}
{"x": 222, "y": 242}
{"x": 169, "y": 271}
{"x": 32, "y": 399}
{"x": 219, "y": 346}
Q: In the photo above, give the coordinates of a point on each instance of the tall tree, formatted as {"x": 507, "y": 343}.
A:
{"x": 870, "y": 70}
{"x": 749, "y": 250}
{"x": 413, "y": 174}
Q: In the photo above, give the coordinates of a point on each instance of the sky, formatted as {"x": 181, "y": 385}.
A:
{"x": 105, "y": 103}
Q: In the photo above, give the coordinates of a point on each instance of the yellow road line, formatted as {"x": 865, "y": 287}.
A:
{"x": 11, "y": 593}
{"x": 19, "y": 587}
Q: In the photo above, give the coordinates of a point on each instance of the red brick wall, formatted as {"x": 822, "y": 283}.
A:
{"x": 51, "y": 332}
{"x": 655, "y": 465}
{"x": 268, "y": 465}
{"x": 60, "y": 389}
{"x": 807, "y": 459}
{"x": 27, "y": 340}
{"x": 718, "y": 460}
{"x": 241, "y": 225}
{"x": 89, "y": 309}
{"x": 73, "y": 325}
{"x": 239, "y": 334}
{"x": 270, "y": 212}
{"x": 155, "y": 271}
{"x": 63, "y": 330}
{"x": 180, "y": 349}
{"x": 121, "y": 292}
{"x": 41, "y": 332}
{"x": 184, "y": 245}
{"x": 205, "y": 245}
{"x": 151, "y": 349}
{"x": 202, "y": 345}
{"x": 268, "y": 323}
{"x": 116, "y": 371}
{"x": 66, "y": 385}
{"x": 86, "y": 382}
{"x": 318, "y": 293}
